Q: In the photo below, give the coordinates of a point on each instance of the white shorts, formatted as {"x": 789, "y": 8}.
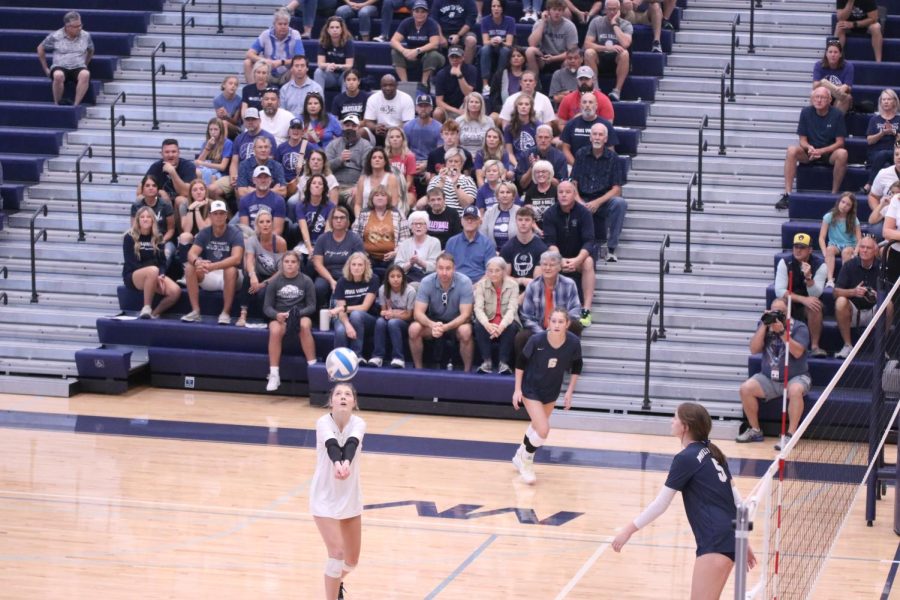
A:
{"x": 860, "y": 318}
{"x": 214, "y": 281}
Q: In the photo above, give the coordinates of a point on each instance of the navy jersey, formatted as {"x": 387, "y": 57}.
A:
{"x": 708, "y": 501}
{"x": 546, "y": 366}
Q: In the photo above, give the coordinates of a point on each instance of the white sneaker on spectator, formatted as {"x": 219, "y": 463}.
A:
{"x": 504, "y": 369}
{"x": 224, "y": 319}
{"x": 379, "y": 39}
{"x": 398, "y": 363}
{"x": 611, "y": 256}
{"x": 376, "y": 361}
{"x": 656, "y": 47}
{"x": 843, "y": 352}
{"x": 829, "y": 283}
{"x": 192, "y": 317}
{"x": 146, "y": 311}
{"x": 273, "y": 382}
{"x": 486, "y": 90}
{"x": 485, "y": 367}
{"x": 614, "y": 95}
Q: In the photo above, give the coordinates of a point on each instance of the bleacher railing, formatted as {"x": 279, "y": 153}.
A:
{"x": 153, "y": 72}
{"x": 4, "y": 272}
{"x": 34, "y": 238}
{"x": 79, "y": 179}
{"x": 688, "y": 268}
{"x": 652, "y": 336}
{"x": 663, "y": 271}
{"x": 702, "y": 145}
{"x": 754, "y": 4}
{"x": 723, "y": 93}
{"x": 113, "y": 121}
{"x": 184, "y": 24}
{"x": 735, "y": 42}
{"x": 220, "y": 29}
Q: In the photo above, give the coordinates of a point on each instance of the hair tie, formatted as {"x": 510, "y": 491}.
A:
{"x": 705, "y": 443}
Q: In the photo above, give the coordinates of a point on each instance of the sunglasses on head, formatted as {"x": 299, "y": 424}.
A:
{"x": 444, "y": 298}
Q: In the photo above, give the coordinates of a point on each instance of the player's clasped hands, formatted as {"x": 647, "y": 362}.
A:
{"x": 342, "y": 469}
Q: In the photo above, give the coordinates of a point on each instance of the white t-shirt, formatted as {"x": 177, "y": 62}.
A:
{"x": 893, "y": 210}
{"x": 277, "y": 125}
{"x": 396, "y": 112}
{"x": 543, "y": 108}
{"x": 883, "y": 181}
{"x": 329, "y": 496}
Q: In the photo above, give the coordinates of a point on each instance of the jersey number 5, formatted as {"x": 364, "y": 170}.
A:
{"x": 722, "y": 476}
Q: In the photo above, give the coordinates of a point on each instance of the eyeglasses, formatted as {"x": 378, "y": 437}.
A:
{"x": 444, "y": 298}
{"x": 338, "y": 218}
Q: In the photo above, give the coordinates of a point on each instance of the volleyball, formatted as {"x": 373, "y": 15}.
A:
{"x": 341, "y": 364}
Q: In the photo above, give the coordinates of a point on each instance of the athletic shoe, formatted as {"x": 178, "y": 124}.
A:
{"x": 484, "y": 367}
{"x": 613, "y": 95}
{"x": 527, "y": 18}
{"x": 818, "y": 353}
{"x": 224, "y": 319}
{"x": 586, "y": 318}
{"x": 611, "y": 256}
{"x": 783, "y": 442}
{"x": 398, "y": 363}
{"x": 750, "y": 435}
{"x": 784, "y": 202}
{"x": 656, "y": 47}
{"x": 341, "y": 592}
{"x": 524, "y": 463}
{"x": 379, "y": 38}
{"x": 192, "y": 317}
{"x": 486, "y": 90}
{"x": 829, "y": 283}
{"x": 146, "y": 311}
{"x": 376, "y": 361}
{"x": 154, "y": 316}
{"x": 843, "y": 352}
{"x": 504, "y": 369}
{"x": 667, "y": 24}
{"x": 362, "y": 362}
{"x": 273, "y": 382}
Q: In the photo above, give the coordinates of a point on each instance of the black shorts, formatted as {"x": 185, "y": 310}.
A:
{"x": 606, "y": 63}
{"x": 68, "y": 74}
{"x": 129, "y": 282}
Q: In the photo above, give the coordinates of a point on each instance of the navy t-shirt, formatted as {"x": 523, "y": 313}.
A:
{"x": 252, "y": 95}
{"x": 334, "y": 254}
{"x": 506, "y": 27}
{"x": 288, "y": 156}
{"x": 337, "y": 54}
{"x": 251, "y": 203}
{"x": 354, "y": 292}
{"x": 216, "y": 249}
{"x": 447, "y": 85}
{"x": 185, "y": 169}
{"x": 451, "y": 15}
{"x": 821, "y": 131}
{"x": 876, "y": 124}
{"x": 316, "y": 219}
{"x": 705, "y": 486}
{"x": 546, "y": 366}
{"x": 416, "y": 38}
{"x": 852, "y": 274}
{"x": 523, "y": 258}
{"x": 243, "y": 143}
{"x": 162, "y": 209}
{"x": 344, "y": 105}
{"x": 577, "y": 133}
{"x": 443, "y": 226}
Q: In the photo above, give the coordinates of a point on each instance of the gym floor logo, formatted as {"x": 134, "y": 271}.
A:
{"x": 526, "y": 516}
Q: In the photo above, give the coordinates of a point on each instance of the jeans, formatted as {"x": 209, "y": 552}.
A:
{"x": 532, "y": 5}
{"x": 506, "y": 341}
{"x": 330, "y": 81}
{"x": 393, "y": 329}
{"x": 611, "y": 215}
{"x": 323, "y": 292}
{"x": 387, "y": 14}
{"x": 362, "y": 322}
{"x": 486, "y": 54}
{"x": 311, "y": 7}
{"x": 365, "y": 15}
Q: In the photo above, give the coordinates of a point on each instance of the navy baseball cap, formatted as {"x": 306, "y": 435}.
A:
{"x": 471, "y": 211}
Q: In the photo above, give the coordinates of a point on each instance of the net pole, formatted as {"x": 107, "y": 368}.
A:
{"x": 781, "y": 461}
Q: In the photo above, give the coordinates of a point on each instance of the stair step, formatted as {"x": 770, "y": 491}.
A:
{"x": 20, "y": 383}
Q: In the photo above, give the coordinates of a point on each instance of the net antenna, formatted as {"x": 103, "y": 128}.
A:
{"x": 803, "y": 499}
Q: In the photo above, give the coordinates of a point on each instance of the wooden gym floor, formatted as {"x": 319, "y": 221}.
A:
{"x": 167, "y": 494}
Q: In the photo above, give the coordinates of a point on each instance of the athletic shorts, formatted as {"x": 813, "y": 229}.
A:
{"x": 713, "y": 551}
{"x": 68, "y": 74}
{"x": 215, "y": 281}
{"x": 606, "y": 63}
{"x": 129, "y": 282}
{"x": 775, "y": 389}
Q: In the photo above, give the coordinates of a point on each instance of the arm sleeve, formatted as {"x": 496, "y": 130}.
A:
{"x": 334, "y": 450}
{"x": 577, "y": 365}
{"x": 350, "y": 447}
{"x": 736, "y": 494}
{"x": 655, "y": 508}
{"x": 781, "y": 279}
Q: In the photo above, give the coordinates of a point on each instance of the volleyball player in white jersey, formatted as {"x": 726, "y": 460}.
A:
{"x": 335, "y": 497}
{"x": 701, "y": 474}
{"x": 540, "y": 369}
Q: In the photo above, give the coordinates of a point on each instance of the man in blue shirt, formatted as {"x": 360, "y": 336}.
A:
{"x": 822, "y": 131}
{"x": 443, "y": 307}
{"x": 423, "y": 134}
{"x": 262, "y": 198}
{"x": 262, "y": 155}
{"x": 542, "y": 150}
{"x": 470, "y": 249}
{"x": 243, "y": 149}
{"x": 598, "y": 175}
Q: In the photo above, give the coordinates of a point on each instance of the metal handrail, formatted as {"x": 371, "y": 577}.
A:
{"x": 735, "y": 42}
{"x": 184, "y": 33}
{"x": 113, "y": 121}
{"x": 722, "y": 95}
{"x": 702, "y": 145}
{"x": 663, "y": 270}
{"x": 34, "y": 238}
{"x": 3, "y": 297}
{"x": 220, "y": 29}
{"x": 153, "y": 72}
{"x": 688, "y": 268}
{"x": 652, "y": 336}
{"x": 754, "y": 4}
{"x": 79, "y": 178}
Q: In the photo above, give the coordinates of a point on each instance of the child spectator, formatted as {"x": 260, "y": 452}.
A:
{"x": 352, "y": 100}
{"x": 840, "y": 228}
{"x": 396, "y": 299}
{"x": 228, "y": 105}
{"x": 212, "y": 162}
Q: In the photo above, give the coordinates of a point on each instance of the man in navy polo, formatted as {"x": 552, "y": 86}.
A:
{"x": 470, "y": 249}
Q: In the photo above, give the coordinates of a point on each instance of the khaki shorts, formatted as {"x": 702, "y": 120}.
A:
{"x": 775, "y": 389}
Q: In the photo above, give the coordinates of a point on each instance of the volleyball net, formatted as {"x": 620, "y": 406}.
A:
{"x": 793, "y": 517}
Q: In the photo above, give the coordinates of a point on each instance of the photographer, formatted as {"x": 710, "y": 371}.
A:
{"x": 809, "y": 283}
{"x": 770, "y": 339}
{"x": 854, "y": 292}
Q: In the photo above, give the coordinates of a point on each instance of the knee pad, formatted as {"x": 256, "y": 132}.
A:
{"x": 334, "y": 567}
{"x": 533, "y": 437}
{"x": 348, "y": 568}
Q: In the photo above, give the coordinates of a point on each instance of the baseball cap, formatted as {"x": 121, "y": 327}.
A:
{"x": 470, "y": 211}
{"x": 351, "y": 118}
{"x": 802, "y": 238}
{"x": 296, "y": 124}
{"x": 251, "y": 113}
{"x": 421, "y": 4}
{"x": 262, "y": 170}
{"x": 424, "y": 99}
{"x": 584, "y": 71}
{"x": 218, "y": 206}
{"x": 455, "y": 51}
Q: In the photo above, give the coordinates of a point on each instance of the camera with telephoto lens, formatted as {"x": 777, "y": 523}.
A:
{"x": 871, "y": 296}
{"x": 771, "y": 316}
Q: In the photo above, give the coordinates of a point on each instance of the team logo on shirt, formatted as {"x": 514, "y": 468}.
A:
{"x": 551, "y": 364}
{"x": 290, "y": 292}
{"x": 523, "y": 264}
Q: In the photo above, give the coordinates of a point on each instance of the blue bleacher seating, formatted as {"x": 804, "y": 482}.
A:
{"x": 810, "y": 178}
{"x": 38, "y": 89}
{"x": 85, "y": 5}
{"x": 25, "y": 64}
{"x": 51, "y": 19}
{"x": 11, "y": 195}
{"x": 21, "y": 40}
{"x": 814, "y": 205}
{"x": 22, "y": 167}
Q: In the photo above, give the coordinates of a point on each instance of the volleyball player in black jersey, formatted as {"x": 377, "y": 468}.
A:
{"x": 701, "y": 474}
{"x": 540, "y": 369}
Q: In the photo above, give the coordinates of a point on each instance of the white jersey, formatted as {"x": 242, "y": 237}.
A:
{"x": 328, "y": 496}
{"x": 543, "y": 108}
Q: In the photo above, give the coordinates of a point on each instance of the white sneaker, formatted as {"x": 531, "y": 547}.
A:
{"x": 379, "y": 38}
{"x": 192, "y": 317}
{"x": 398, "y": 363}
{"x": 376, "y": 361}
{"x": 829, "y": 283}
{"x": 524, "y": 463}
{"x": 146, "y": 312}
{"x": 486, "y": 90}
{"x": 844, "y": 352}
{"x": 224, "y": 319}
{"x": 273, "y": 382}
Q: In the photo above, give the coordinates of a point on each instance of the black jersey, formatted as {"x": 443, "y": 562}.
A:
{"x": 708, "y": 499}
{"x": 545, "y": 366}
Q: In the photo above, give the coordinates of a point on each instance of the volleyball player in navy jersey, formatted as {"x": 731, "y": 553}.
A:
{"x": 540, "y": 369}
{"x": 701, "y": 474}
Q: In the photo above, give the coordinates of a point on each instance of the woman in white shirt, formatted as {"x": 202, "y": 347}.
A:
{"x": 335, "y": 497}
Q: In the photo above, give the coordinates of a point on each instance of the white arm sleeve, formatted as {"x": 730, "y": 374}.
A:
{"x": 737, "y": 495}
{"x": 655, "y": 508}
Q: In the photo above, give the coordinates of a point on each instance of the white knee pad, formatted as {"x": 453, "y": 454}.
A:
{"x": 334, "y": 567}
{"x": 348, "y": 568}
{"x": 533, "y": 437}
